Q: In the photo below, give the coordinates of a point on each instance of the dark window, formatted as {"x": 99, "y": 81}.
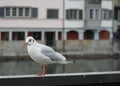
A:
{"x": 52, "y": 13}
{"x": 36, "y": 35}
{"x": 74, "y": 14}
{"x": 106, "y": 14}
{"x": 14, "y": 12}
{"x": 89, "y": 34}
{"x": 50, "y": 38}
{"x": 34, "y": 13}
{"x": 118, "y": 14}
{"x": 20, "y": 11}
{"x": 7, "y": 11}
{"x": 91, "y": 13}
{"x": 67, "y": 14}
{"x": 4, "y": 35}
{"x": 18, "y": 35}
{"x": 1, "y": 12}
{"x": 71, "y": 14}
{"x": 80, "y": 14}
{"x": 94, "y": 13}
{"x": 59, "y": 35}
{"x": 27, "y": 11}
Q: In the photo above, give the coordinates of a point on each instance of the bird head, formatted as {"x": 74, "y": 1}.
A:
{"x": 29, "y": 41}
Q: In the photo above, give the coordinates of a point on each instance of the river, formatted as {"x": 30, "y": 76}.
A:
{"x": 26, "y": 67}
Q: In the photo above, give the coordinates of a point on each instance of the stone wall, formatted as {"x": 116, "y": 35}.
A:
{"x": 116, "y": 47}
{"x": 17, "y": 48}
{"x": 12, "y": 48}
{"x": 86, "y": 46}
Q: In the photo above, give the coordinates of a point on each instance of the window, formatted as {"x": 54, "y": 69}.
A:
{"x": 74, "y": 14}
{"x": 2, "y": 12}
{"x": 91, "y": 14}
{"x": 94, "y": 13}
{"x": 4, "y": 35}
{"x": 80, "y": 14}
{"x": 20, "y": 12}
{"x": 18, "y": 35}
{"x": 106, "y": 14}
{"x": 52, "y": 13}
{"x": 50, "y": 38}
{"x": 59, "y": 35}
{"x": 14, "y": 12}
{"x": 7, "y": 11}
{"x": 27, "y": 12}
{"x": 72, "y": 35}
{"x": 118, "y": 14}
{"x": 36, "y": 35}
{"x": 89, "y": 34}
{"x": 104, "y": 35}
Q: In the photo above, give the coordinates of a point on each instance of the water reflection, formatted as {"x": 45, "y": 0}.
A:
{"x": 83, "y": 65}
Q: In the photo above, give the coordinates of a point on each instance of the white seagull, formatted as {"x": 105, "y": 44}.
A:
{"x": 43, "y": 54}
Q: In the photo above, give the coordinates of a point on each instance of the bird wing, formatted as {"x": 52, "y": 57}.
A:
{"x": 50, "y": 53}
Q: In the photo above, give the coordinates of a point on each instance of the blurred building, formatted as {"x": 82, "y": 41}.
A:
{"x": 85, "y": 26}
{"x": 117, "y": 15}
{"x": 42, "y": 19}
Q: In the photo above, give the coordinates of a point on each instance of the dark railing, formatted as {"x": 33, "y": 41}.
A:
{"x": 69, "y": 79}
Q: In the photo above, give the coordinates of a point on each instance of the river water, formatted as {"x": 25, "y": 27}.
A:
{"x": 26, "y": 67}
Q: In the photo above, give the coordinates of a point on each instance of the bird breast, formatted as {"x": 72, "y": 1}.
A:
{"x": 35, "y": 54}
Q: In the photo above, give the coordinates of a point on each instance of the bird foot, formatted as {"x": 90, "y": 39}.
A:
{"x": 41, "y": 74}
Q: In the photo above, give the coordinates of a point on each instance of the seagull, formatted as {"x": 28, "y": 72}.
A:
{"x": 43, "y": 54}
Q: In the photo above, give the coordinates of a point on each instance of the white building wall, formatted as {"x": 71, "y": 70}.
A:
{"x": 107, "y": 4}
{"x": 30, "y": 23}
{"x": 75, "y": 4}
{"x": 74, "y": 24}
{"x": 29, "y": 3}
{"x": 106, "y": 23}
{"x": 49, "y": 4}
{"x": 41, "y": 21}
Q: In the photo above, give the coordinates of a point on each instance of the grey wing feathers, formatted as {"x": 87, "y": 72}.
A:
{"x": 53, "y": 56}
{"x": 49, "y": 52}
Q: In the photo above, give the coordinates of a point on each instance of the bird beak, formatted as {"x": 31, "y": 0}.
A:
{"x": 25, "y": 43}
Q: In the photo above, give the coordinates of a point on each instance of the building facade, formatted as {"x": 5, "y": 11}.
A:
{"x": 68, "y": 24}
{"x": 117, "y": 16}
{"x": 116, "y": 26}
{"x": 89, "y": 19}
{"x": 42, "y": 20}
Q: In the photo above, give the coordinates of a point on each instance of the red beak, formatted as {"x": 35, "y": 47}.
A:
{"x": 25, "y": 43}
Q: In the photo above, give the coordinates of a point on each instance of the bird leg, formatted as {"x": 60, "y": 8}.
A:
{"x": 42, "y": 70}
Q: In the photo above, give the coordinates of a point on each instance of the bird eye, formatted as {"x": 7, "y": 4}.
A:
{"x": 30, "y": 40}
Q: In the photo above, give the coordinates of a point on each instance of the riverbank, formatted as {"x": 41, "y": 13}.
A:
{"x": 68, "y": 56}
